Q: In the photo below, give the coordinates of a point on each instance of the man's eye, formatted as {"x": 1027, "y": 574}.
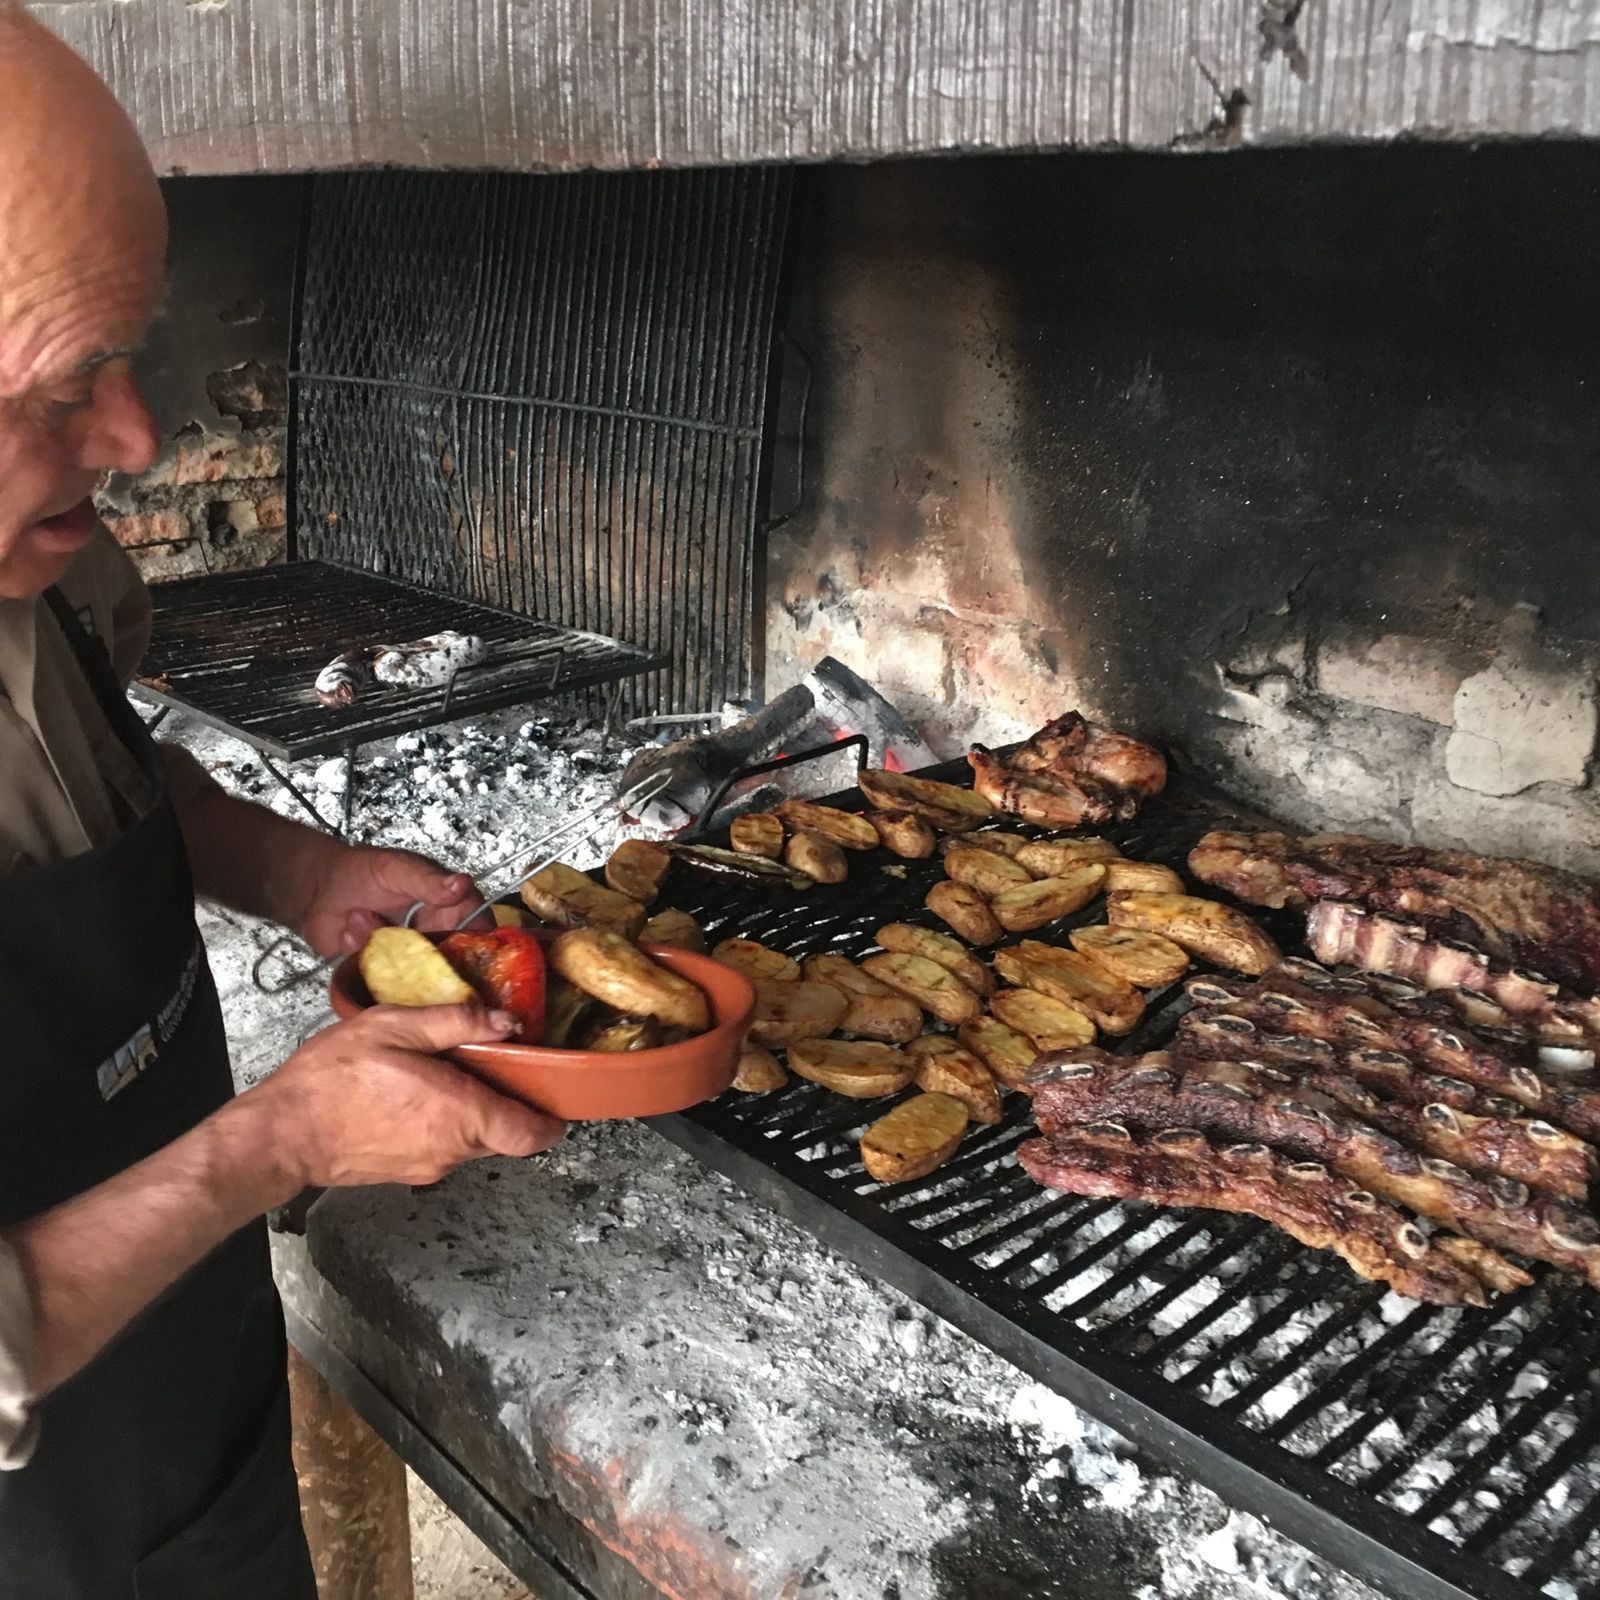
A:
{"x": 69, "y": 401}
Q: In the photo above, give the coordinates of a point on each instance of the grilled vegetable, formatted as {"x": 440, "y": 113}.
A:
{"x": 1145, "y": 960}
{"x": 637, "y": 869}
{"x": 1111, "y": 1003}
{"x": 904, "y": 833}
{"x": 611, "y": 969}
{"x": 566, "y": 1010}
{"x": 817, "y": 857}
{"x": 505, "y": 967}
{"x": 741, "y": 868}
{"x": 756, "y": 960}
{"x": 758, "y": 1071}
{"x": 571, "y": 899}
{"x": 1031, "y": 905}
{"x": 987, "y": 871}
{"x": 919, "y": 1135}
{"x": 614, "y": 1035}
{"x": 948, "y": 808}
{"x": 934, "y": 988}
{"x": 676, "y": 929}
{"x": 965, "y": 910}
{"x": 1050, "y": 1023}
{"x": 511, "y": 917}
{"x": 1055, "y": 858}
{"x": 760, "y": 834}
{"x": 786, "y": 1012}
{"x": 901, "y": 938}
{"x": 860, "y": 1071}
{"x": 1141, "y": 877}
{"x": 1216, "y": 933}
{"x": 876, "y": 1011}
{"x": 1008, "y": 845}
{"x": 946, "y": 1067}
{"x": 404, "y": 967}
{"x": 847, "y": 829}
{"x": 1008, "y": 1054}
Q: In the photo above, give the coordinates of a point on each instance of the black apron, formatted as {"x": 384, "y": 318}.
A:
{"x": 162, "y": 1470}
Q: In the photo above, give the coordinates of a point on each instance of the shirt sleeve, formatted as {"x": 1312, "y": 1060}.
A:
{"x": 17, "y": 1423}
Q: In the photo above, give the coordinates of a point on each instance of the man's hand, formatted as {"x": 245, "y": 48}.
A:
{"x": 357, "y": 889}
{"x": 365, "y": 1102}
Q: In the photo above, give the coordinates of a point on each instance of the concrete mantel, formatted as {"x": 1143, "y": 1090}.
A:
{"x": 227, "y": 86}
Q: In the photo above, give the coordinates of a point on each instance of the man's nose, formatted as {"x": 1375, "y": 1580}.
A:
{"x": 121, "y": 434}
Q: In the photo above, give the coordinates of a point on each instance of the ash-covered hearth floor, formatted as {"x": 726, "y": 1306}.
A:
{"x": 658, "y": 1375}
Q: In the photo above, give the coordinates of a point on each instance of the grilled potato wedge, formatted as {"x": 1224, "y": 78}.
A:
{"x": 847, "y": 829}
{"x": 987, "y": 871}
{"x": 817, "y": 857}
{"x": 965, "y": 910}
{"x": 1008, "y": 1054}
{"x": 1141, "y": 877}
{"x": 676, "y": 929}
{"x": 758, "y": 834}
{"x": 1055, "y": 858}
{"x": 758, "y": 1071}
{"x": 571, "y": 899}
{"x": 1031, "y": 905}
{"x": 919, "y": 1135}
{"x": 637, "y": 869}
{"x": 876, "y": 1011}
{"x": 860, "y": 1070}
{"x": 999, "y": 844}
{"x": 901, "y": 938}
{"x": 945, "y": 1067}
{"x": 610, "y": 968}
{"x": 755, "y": 960}
{"x": 904, "y": 833}
{"x": 787, "y": 1012}
{"x": 1110, "y": 1002}
{"x": 935, "y": 988}
{"x": 949, "y": 809}
{"x": 1051, "y": 1024}
{"x": 404, "y": 967}
{"x": 1205, "y": 928}
{"x": 1145, "y": 960}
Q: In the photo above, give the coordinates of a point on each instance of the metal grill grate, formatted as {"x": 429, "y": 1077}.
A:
{"x": 1435, "y": 1452}
{"x": 550, "y": 394}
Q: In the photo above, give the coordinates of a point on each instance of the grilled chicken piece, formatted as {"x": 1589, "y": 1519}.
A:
{"x": 1070, "y": 773}
{"x": 1181, "y": 1167}
{"x": 1038, "y": 797}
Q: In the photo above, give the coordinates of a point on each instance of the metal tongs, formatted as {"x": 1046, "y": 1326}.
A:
{"x": 545, "y": 851}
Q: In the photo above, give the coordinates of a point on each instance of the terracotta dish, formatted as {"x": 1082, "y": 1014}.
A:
{"x": 591, "y": 1085}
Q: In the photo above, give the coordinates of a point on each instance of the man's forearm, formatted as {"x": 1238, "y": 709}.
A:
{"x": 95, "y": 1261}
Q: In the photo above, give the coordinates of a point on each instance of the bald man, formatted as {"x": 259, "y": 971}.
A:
{"x": 143, "y": 1413}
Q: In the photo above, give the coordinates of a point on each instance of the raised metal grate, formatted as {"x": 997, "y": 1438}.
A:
{"x": 1434, "y": 1452}
{"x": 551, "y": 394}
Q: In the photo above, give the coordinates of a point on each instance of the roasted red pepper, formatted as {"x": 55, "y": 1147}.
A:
{"x": 506, "y": 968}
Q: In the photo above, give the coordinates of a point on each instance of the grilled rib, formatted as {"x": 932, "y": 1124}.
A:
{"x": 1181, "y": 1167}
{"x": 1256, "y": 1103}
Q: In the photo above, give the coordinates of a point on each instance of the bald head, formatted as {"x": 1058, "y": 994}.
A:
{"x": 82, "y": 242}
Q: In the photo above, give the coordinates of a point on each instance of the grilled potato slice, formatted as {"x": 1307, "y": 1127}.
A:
{"x": 1000, "y": 844}
{"x": 876, "y": 1011}
{"x": 1041, "y": 900}
{"x": 758, "y": 1071}
{"x": 676, "y": 929}
{"x": 1145, "y": 960}
{"x": 901, "y": 938}
{"x": 817, "y": 857}
{"x": 571, "y": 899}
{"x": 612, "y": 1035}
{"x": 935, "y": 988}
{"x": 759, "y": 834}
{"x": 945, "y": 1067}
{"x": 847, "y": 829}
{"x": 965, "y": 910}
{"x": 1141, "y": 877}
{"x": 756, "y": 960}
{"x": 404, "y": 967}
{"x": 1008, "y": 1054}
{"x": 1214, "y": 932}
{"x": 949, "y": 809}
{"x": 987, "y": 871}
{"x": 1055, "y": 858}
{"x": 786, "y": 1012}
{"x": 919, "y": 1135}
{"x": 1051, "y": 1024}
{"x": 611, "y": 969}
{"x": 1110, "y": 1002}
{"x": 860, "y": 1070}
{"x": 904, "y": 833}
{"x": 637, "y": 869}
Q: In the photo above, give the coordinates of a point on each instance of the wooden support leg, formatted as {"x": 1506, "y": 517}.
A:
{"x": 352, "y": 1495}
